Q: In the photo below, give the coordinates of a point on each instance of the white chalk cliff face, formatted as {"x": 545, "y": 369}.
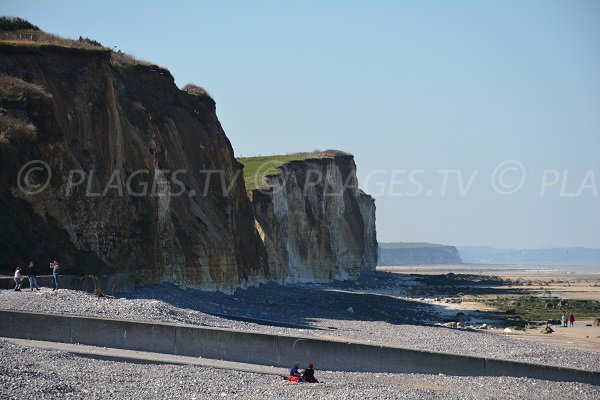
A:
{"x": 315, "y": 223}
{"x": 108, "y": 120}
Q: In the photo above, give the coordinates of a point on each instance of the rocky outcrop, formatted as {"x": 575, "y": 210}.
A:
{"x": 366, "y": 204}
{"x": 315, "y": 223}
{"x": 143, "y": 178}
{"x": 390, "y": 255}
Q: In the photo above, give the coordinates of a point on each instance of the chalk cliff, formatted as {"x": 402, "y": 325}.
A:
{"x": 133, "y": 176}
{"x": 315, "y": 222}
{"x": 419, "y": 253}
{"x": 129, "y": 189}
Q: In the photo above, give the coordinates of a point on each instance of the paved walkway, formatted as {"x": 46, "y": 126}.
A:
{"x": 142, "y": 357}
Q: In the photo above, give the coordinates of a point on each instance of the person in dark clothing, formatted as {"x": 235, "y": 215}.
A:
{"x": 31, "y": 273}
{"x": 571, "y": 319}
{"x": 309, "y": 375}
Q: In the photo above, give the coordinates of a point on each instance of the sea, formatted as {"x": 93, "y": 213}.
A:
{"x": 583, "y": 269}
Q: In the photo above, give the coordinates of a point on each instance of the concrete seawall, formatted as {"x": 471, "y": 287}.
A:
{"x": 266, "y": 349}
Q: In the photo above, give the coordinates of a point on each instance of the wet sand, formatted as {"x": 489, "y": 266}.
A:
{"x": 540, "y": 281}
{"x": 578, "y": 337}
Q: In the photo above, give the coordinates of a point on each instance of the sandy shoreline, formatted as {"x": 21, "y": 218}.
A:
{"x": 567, "y": 285}
{"x": 579, "y": 337}
{"x": 544, "y": 282}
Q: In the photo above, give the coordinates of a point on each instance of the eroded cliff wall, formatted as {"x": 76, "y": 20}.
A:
{"x": 315, "y": 222}
{"x": 125, "y": 127}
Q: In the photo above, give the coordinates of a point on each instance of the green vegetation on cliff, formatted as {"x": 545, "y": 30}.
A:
{"x": 14, "y": 126}
{"x": 8, "y": 24}
{"x": 256, "y": 169}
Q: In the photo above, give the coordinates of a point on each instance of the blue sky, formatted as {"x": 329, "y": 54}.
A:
{"x": 417, "y": 87}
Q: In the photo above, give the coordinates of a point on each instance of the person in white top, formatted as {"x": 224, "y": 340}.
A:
{"x": 18, "y": 279}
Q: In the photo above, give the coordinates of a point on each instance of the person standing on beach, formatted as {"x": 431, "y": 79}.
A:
{"x": 32, "y": 276}
{"x": 563, "y": 320}
{"x": 18, "y": 279}
{"x": 55, "y": 267}
{"x": 571, "y": 319}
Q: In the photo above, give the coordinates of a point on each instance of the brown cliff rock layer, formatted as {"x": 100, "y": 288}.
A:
{"x": 110, "y": 120}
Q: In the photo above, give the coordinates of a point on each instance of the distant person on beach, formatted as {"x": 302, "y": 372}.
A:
{"x": 309, "y": 374}
{"x": 571, "y": 319}
{"x": 18, "y": 279}
{"x": 31, "y": 273}
{"x": 563, "y": 320}
{"x": 295, "y": 375}
{"x": 55, "y": 267}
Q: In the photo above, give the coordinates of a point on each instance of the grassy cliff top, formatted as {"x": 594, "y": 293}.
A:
{"x": 410, "y": 245}
{"x": 30, "y": 38}
{"x": 256, "y": 169}
{"x": 17, "y": 33}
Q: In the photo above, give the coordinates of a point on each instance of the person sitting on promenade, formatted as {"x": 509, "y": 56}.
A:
{"x": 295, "y": 375}
{"x": 18, "y": 279}
{"x": 309, "y": 374}
{"x": 31, "y": 273}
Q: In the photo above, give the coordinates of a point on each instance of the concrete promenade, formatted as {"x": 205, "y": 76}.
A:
{"x": 267, "y": 349}
{"x": 144, "y": 357}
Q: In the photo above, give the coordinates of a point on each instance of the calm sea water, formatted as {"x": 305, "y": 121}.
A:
{"x": 566, "y": 269}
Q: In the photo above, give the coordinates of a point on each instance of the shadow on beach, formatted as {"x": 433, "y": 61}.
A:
{"x": 375, "y": 296}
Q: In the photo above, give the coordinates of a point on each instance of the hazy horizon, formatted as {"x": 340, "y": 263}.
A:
{"x": 473, "y": 124}
{"x": 495, "y": 248}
